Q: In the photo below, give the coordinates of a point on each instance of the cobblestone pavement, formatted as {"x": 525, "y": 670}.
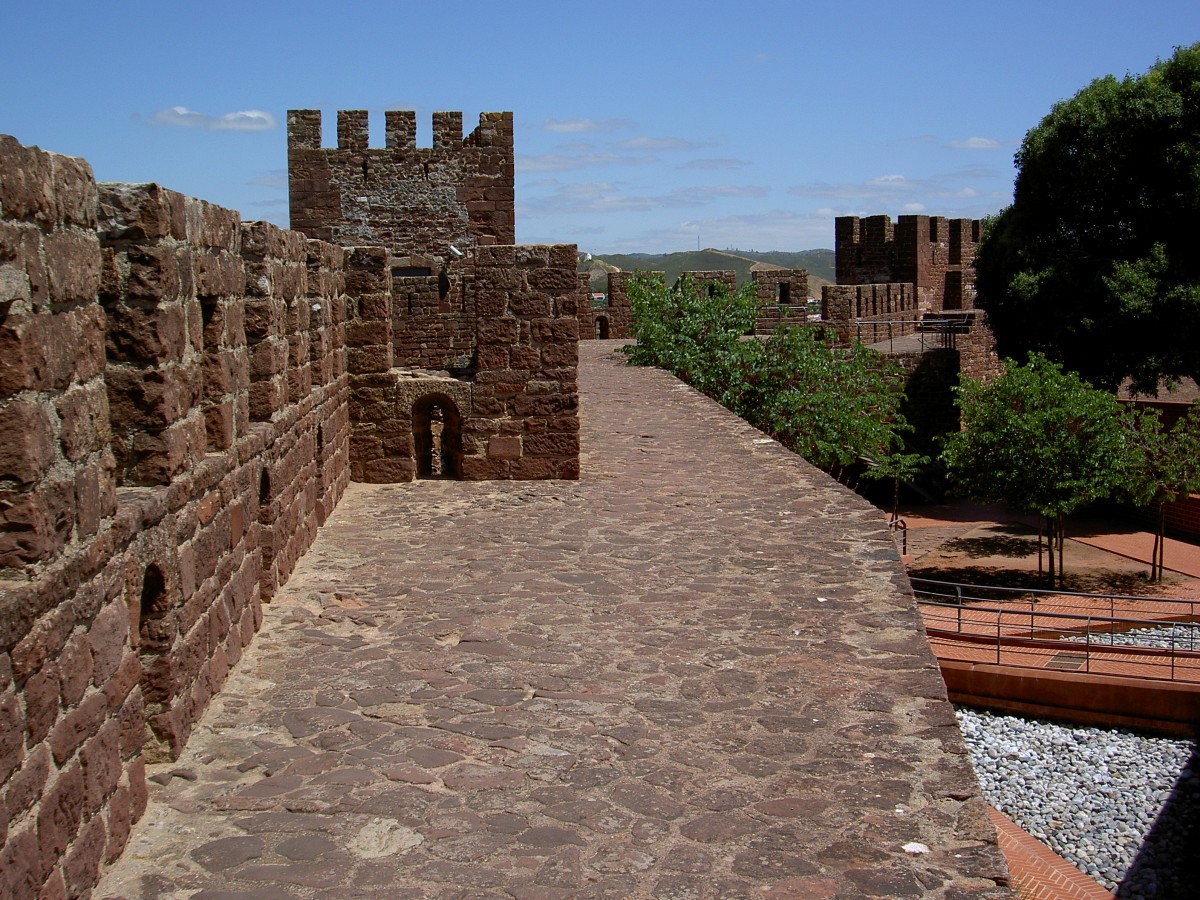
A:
{"x": 696, "y": 672}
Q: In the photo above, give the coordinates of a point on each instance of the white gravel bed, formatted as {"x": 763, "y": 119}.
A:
{"x": 1183, "y": 636}
{"x": 1122, "y": 807}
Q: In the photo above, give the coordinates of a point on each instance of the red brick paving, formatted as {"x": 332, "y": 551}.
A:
{"x": 1038, "y": 873}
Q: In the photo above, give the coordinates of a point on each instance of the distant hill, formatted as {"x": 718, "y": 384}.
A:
{"x": 819, "y": 263}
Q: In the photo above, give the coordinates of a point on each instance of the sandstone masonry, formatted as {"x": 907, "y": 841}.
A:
{"x": 462, "y": 349}
{"x": 174, "y": 388}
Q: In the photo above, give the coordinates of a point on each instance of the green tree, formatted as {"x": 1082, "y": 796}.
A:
{"x": 1094, "y": 264}
{"x": 833, "y": 406}
{"x": 1163, "y": 466}
{"x": 692, "y": 332}
{"x": 1039, "y": 438}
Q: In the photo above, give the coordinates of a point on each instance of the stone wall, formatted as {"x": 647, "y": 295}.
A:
{"x": 459, "y": 192}
{"x": 869, "y": 312}
{"x": 612, "y": 321}
{"x": 173, "y": 382}
{"x": 932, "y": 253}
{"x": 515, "y": 415}
{"x": 782, "y": 296}
{"x": 710, "y": 279}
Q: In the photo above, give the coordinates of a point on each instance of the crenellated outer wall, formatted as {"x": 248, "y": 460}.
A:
{"x": 174, "y": 402}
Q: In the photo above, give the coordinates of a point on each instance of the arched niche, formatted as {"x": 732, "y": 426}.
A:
{"x": 437, "y": 437}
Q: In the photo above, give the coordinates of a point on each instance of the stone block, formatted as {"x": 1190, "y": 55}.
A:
{"x": 475, "y": 468}
{"x": 59, "y": 816}
{"x": 504, "y": 447}
{"x": 531, "y": 305}
{"x": 12, "y": 734}
{"x": 119, "y": 822}
{"x": 145, "y": 336}
{"x": 26, "y": 441}
{"x": 20, "y": 860}
{"x": 560, "y": 445}
{"x": 83, "y": 414}
{"x": 26, "y": 183}
{"x": 101, "y": 758}
{"x": 138, "y": 212}
{"x": 81, "y": 867}
{"x": 73, "y": 266}
{"x": 42, "y": 702}
{"x": 34, "y": 525}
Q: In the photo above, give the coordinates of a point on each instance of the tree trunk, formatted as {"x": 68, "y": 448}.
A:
{"x": 1050, "y": 548}
{"x": 1161, "y": 544}
{"x": 1039, "y": 549}
{"x": 1062, "y": 534}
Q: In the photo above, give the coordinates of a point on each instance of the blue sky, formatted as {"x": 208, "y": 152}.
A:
{"x": 647, "y": 126}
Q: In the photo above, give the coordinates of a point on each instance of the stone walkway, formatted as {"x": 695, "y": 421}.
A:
{"x": 696, "y": 672}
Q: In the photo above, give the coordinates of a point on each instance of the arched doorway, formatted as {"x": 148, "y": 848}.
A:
{"x": 437, "y": 437}
{"x": 602, "y": 328}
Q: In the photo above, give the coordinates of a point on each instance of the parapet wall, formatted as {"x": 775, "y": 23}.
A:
{"x": 612, "y": 321}
{"x": 459, "y": 192}
{"x": 782, "y": 296}
{"x": 173, "y": 381}
{"x": 869, "y": 312}
{"x": 933, "y": 253}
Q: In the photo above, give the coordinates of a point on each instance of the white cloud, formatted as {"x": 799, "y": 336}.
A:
{"x": 245, "y": 120}
{"x": 665, "y": 143}
{"x": 242, "y": 120}
{"x": 606, "y": 197}
{"x": 976, "y": 143}
{"x": 562, "y": 162}
{"x": 575, "y": 126}
{"x": 716, "y": 163}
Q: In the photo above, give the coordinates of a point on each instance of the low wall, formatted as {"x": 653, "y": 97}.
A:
{"x": 1163, "y": 707}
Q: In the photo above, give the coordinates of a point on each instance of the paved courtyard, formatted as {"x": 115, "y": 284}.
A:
{"x": 695, "y": 672}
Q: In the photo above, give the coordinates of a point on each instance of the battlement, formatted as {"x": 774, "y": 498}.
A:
{"x": 933, "y": 253}
{"x": 400, "y": 130}
{"x": 459, "y": 191}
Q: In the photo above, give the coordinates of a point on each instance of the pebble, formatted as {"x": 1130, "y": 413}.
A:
{"x": 1184, "y": 636}
{"x": 1122, "y": 807}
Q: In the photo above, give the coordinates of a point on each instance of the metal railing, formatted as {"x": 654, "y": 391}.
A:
{"x": 1181, "y": 609}
{"x": 1017, "y": 633}
{"x": 931, "y": 333}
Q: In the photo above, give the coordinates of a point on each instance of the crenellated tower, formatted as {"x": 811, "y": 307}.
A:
{"x": 415, "y": 201}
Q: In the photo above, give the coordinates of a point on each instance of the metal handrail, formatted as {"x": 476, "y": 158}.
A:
{"x": 1004, "y": 629}
{"x": 959, "y": 591}
{"x": 944, "y": 330}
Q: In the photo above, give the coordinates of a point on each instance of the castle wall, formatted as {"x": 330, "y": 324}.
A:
{"x": 725, "y": 278}
{"x": 517, "y": 413}
{"x": 614, "y": 320}
{"x": 411, "y": 200}
{"x": 782, "y": 296}
{"x": 177, "y": 417}
{"x": 932, "y": 253}
{"x": 889, "y": 310}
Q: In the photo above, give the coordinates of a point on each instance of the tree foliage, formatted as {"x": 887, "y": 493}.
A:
{"x": 1039, "y": 438}
{"x": 1162, "y": 466}
{"x": 1094, "y": 264}
{"x": 831, "y": 405}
